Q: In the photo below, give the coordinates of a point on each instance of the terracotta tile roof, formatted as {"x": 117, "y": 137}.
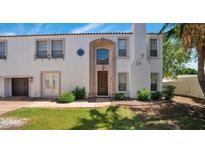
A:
{"x": 64, "y": 34}
{"x": 30, "y": 35}
{"x": 154, "y": 33}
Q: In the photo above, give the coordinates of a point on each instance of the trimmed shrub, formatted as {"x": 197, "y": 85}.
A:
{"x": 143, "y": 95}
{"x": 66, "y": 97}
{"x": 79, "y": 92}
{"x": 120, "y": 96}
{"x": 156, "y": 95}
{"x": 168, "y": 92}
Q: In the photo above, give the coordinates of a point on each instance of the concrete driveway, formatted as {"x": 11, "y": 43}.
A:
{"x": 7, "y": 106}
{"x": 13, "y": 103}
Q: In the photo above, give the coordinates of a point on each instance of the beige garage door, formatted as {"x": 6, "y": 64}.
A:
{"x": 50, "y": 84}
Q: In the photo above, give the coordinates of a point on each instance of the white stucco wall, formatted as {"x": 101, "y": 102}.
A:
{"x": 1, "y": 87}
{"x": 7, "y": 87}
{"x": 75, "y": 69}
{"x": 142, "y": 64}
{"x": 140, "y": 67}
{"x": 156, "y": 62}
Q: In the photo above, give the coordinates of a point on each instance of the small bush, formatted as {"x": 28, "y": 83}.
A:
{"x": 156, "y": 95}
{"x": 143, "y": 95}
{"x": 168, "y": 92}
{"x": 120, "y": 96}
{"x": 66, "y": 97}
{"x": 79, "y": 92}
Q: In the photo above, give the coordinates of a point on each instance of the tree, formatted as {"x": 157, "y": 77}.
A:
{"x": 188, "y": 71}
{"x": 174, "y": 57}
{"x": 192, "y": 37}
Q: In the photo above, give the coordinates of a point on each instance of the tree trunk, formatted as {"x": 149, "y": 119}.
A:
{"x": 200, "y": 74}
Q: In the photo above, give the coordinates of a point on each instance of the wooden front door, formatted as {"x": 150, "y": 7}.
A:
{"x": 102, "y": 83}
{"x": 20, "y": 87}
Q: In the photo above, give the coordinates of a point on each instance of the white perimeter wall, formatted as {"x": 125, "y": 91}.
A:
{"x": 186, "y": 85}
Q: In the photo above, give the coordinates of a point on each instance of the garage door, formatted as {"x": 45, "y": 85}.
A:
{"x": 20, "y": 86}
{"x": 50, "y": 84}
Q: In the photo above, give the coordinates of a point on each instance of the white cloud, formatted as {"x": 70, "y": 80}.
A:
{"x": 112, "y": 29}
{"x": 86, "y": 28}
{"x": 108, "y": 29}
{"x": 127, "y": 30}
{"x": 9, "y": 33}
{"x": 22, "y": 29}
{"x": 36, "y": 29}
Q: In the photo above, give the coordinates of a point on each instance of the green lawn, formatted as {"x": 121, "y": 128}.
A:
{"x": 164, "y": 115}
{"x": 80, "y": 118}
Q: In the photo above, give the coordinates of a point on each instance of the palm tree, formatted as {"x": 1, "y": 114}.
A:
{"x": 192, "y": 36}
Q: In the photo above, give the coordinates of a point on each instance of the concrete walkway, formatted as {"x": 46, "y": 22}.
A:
{"x": 70, "y": 105}
{"x": 7, "y": 105}
{"x": 11, "y": 104}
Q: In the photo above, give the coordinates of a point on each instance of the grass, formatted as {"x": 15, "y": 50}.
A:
{"x": 160, "y": 116}
{"x": 81, "y": 118}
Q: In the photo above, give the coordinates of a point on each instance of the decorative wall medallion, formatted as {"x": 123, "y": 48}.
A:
{"x": 80, "y": 52}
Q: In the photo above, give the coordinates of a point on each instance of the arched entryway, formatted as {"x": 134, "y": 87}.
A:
{"x": 102, "y": 64}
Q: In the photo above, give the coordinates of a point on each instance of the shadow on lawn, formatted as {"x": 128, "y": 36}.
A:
{"x": 110, "y": 119}
{"x": 172, "y": 115}
{"x": 160, "y": 116}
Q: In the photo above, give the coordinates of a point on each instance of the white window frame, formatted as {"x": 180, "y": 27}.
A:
{"x": 5, "y": 41}
{"x": 127, "y": 78}
{"x": 127, "y": 47}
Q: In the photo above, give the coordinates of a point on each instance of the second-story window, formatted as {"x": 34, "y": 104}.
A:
{"x": 3, "y": 50}
{"x": 42, "y": 50}
{"x": 122, "y": 52}
{"x": 57, "y": 49}
{"x": 102, "y": 56}
{"x": 153, "y": 48}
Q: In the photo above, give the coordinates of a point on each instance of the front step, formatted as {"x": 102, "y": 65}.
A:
{"x": 103, "y": 99}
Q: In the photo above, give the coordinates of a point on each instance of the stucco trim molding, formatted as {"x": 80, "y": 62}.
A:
{"x": 93, "y": 68}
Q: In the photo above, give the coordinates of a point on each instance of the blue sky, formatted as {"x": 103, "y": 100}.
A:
{"x": 49, "y": 28}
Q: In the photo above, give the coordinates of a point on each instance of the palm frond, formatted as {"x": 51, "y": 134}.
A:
{"x": 166, "y": 27}
{"x": 171, "y": 33}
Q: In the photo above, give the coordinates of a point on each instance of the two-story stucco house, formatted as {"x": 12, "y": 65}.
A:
{"x": 104, "y": 63}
